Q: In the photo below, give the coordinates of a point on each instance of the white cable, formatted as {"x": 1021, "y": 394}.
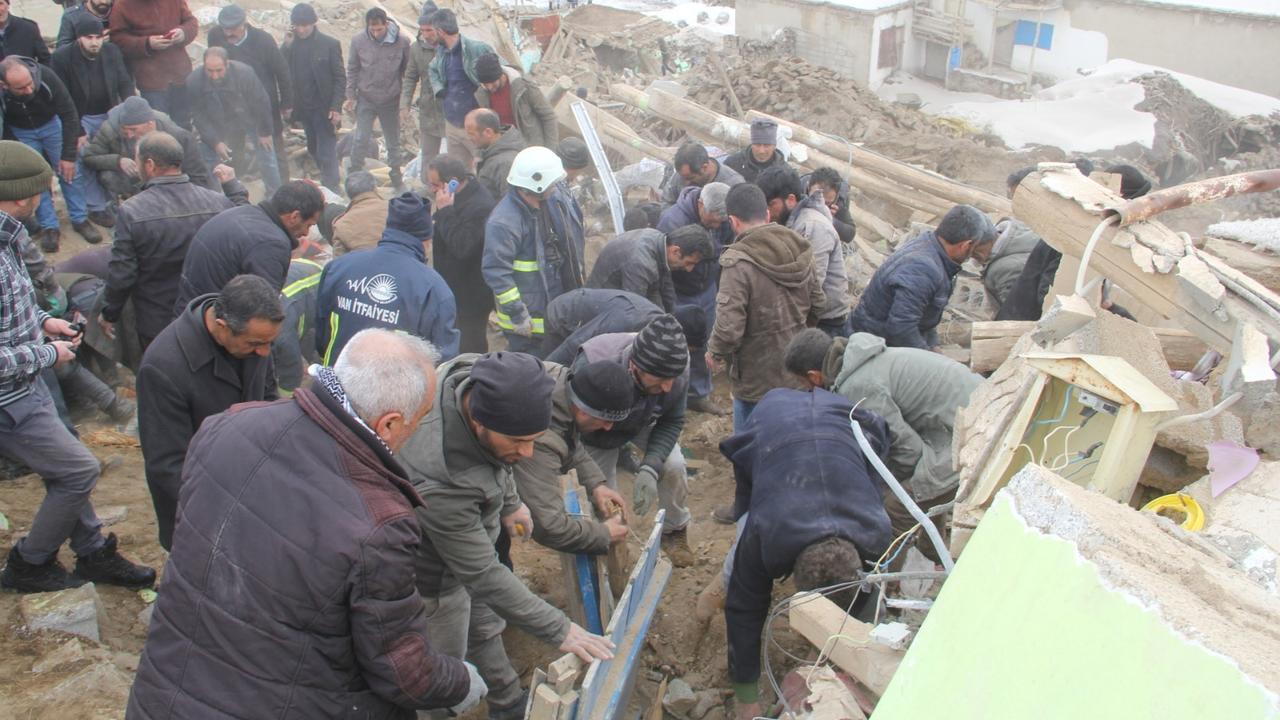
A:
{"x": 903, "y": 497}
{"x": 1230, "y": 400}
{"x": 1088, "y": 251}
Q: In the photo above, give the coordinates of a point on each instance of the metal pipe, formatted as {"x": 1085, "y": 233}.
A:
{"x": 1195, "y": 193}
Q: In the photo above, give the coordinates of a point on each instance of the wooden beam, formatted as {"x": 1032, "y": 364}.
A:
{"x": 545, "y": 705}
{"x": 846, "y": 641}
{"x": 992, "y": 341}
{"x": 911, "y": 176}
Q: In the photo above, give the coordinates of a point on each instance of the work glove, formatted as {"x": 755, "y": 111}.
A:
{"x": 524, "y": 328}
{"x": 474, "y": 695}
{"x": 646, "y": 490}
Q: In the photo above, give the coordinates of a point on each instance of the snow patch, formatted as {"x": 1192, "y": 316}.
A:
{"x": 1233, "y": 100}
{"x": 1252, "y": 7}
{"x": 1263, "y": 233}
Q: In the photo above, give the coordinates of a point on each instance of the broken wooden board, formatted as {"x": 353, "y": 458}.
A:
{"x": 585, "y": 587}
{"x": 992, "y": 341}
{"x": 845, "y": 641}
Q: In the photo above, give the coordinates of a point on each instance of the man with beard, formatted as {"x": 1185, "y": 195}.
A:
{"x": 110, "y": 154}
{"x": 230, "y": 106}
{"x": 94, "y": 72}
{"x": 99, "y": 9}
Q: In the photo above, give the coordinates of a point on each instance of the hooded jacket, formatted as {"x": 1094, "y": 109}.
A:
{"x": 77, "y": 72}
{"x": 493, "y": 163}
{"x": 555, "y": 453}
{"x": 918, "y": 393}
{"x": 133, "y": 21}
{"x": 683, "y": 213}
{"x": 534, "y": 116}
{"x": 246, "y": 239}
{"x": 50, "y": 100}
{"x": 812, "y": 219}
{"x": 636, "y": 261}
{"x": 238, "y": 104}
{"x": 745, "y": 163}
{"x": 375, "y": 68}
{"x": 290, "y": 591}
{"x": 904, "y": 301}
{"x": 768, "y": 293}
{"x": 663, "y": 412}
{"x": 104, "y": 151}
{"x": 1014, "y": 244}
{"x": 801, "y": 474}
{"x": 516, "y": 263}
{"x": 418, "y": 70}
{"x": 390, "y": 287}
{"x": 465, "y": 490}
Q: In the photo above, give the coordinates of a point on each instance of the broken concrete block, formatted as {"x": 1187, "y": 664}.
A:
{"x": 680, "y": 698}
{"x": 1249, "y": 367}
{"x": 707, "y": 699}
{"x": 1244, "y": 522}
{"x": 73, "y": 611}
{"x": 144, "y": 615}
{"x": 112, "y": 514}
{"x": 65, "y": 654}
{"x": 892, "y": 635}
{"x": 1075, "y": 602}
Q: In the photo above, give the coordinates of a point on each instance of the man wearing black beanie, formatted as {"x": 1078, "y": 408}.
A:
{"x": 589, "y": 400}
{"x": 657, "y": 359}
{"x": 488, "y": 413}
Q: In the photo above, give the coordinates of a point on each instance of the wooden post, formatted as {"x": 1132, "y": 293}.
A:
{"x": 846, "y": 641}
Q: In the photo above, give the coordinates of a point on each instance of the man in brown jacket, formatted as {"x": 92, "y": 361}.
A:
{"x": 154, "y": 35}
{"x": 327, "y": 624}
{"x": 517, "y": 101}
{"x": 768, "y": 292}
{"x": 362, "y": 224}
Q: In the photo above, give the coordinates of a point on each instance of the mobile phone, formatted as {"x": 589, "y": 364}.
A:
{"x": 453, "y": 185}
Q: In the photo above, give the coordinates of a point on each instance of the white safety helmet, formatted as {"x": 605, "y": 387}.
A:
{"x": 536, "y": 169}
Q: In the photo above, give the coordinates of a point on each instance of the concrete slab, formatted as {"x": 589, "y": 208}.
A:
{"x": 73, "y": 611}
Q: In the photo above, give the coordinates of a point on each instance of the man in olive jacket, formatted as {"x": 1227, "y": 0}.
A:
{"x": 430, "y": 114}
{"x": 488, "y": 412}
{"x": 768, "y": 292}
{"x": 326, "y": 624}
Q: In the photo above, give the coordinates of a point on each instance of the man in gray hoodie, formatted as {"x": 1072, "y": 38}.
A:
{"x": 375, "y": 71}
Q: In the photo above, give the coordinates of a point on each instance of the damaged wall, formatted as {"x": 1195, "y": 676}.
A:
{"x": 1067, "y": 605}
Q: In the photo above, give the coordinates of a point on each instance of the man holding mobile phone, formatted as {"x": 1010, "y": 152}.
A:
{"x": 153, "y": 35}
{"x": 461, "y": 207}
{"x": 30, "y": 430}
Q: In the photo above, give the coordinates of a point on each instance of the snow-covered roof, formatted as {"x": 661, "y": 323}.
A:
{"x": 1269, "y": 8}
{"x": 866, "y": 5}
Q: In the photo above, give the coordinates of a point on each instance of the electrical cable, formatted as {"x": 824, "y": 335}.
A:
{"x": 1088, "y": 250}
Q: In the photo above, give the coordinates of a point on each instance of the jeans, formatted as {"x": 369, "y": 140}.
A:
{"x": 31, "y": 433}
{"x": 240, "y": 158}
{"x": 468, "y": 630}
{"x": 727, "y": 568}
{"x": 699, "y": 373}
{"x": 172, "y": 102}
{"x": 742, "y": 410}
{"x": 47, "y": 140}
{"x": 322, "y": 143}
{"x": 95, "y": 196}
{"x": 77, "y": 382}
{"x": 388, "y": 116}
{"x": 673, "y": 480}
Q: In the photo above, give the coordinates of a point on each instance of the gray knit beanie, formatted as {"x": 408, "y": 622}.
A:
{"x": 660, "y": 348}
{"x": 23, "y": 173}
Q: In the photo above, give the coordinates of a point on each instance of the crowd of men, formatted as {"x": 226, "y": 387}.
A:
{"x": 337, "y": 461}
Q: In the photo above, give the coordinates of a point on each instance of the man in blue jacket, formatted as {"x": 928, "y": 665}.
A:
{"x": 808, "y": 505}
{"x": 389, "y": 286}
{"x": 904, "y": 301}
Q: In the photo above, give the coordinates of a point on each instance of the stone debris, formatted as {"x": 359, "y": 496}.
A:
{"x": 67, "y": 653}
{"x": 72, "y": 611}
{"x": 680, "y": 698}
{"x": 112, "y": 514}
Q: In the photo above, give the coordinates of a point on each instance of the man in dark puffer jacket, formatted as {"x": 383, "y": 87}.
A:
{"x": 290, "y": 592}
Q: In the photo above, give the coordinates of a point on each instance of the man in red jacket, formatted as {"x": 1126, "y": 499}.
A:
{"x": 153, "y": 35}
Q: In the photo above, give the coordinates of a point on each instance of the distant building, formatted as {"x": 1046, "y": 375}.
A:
{"x": 996, "y": 45}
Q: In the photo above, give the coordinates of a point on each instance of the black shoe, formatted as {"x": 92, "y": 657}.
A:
{"x": 514, "y": 711}
{"x": 105, "y": 218}
{"x": 88, "y": 232}
{"x": 50, "y": 240}
{"x": 21, "y": 576}
{"x": 109, "y": 567}
{"x": 121, "y": 409}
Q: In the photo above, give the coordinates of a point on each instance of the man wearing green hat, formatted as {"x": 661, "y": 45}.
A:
{"x": 30, "y": 431}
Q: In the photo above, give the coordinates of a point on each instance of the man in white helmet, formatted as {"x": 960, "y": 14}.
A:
{"x": 533, "y": 247}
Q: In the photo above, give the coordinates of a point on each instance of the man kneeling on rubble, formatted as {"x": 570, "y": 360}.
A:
{"x": 807, "y": 504}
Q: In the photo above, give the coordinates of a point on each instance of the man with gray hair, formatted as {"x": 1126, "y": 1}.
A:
{"x": 215, "y": 354}
{"x": 348, "y": 633}
{"x": 904, "y": 301}
{"x": 362, "y": 224}
{"x": 152, "y": 232}
{"x": 703, "y": 206}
